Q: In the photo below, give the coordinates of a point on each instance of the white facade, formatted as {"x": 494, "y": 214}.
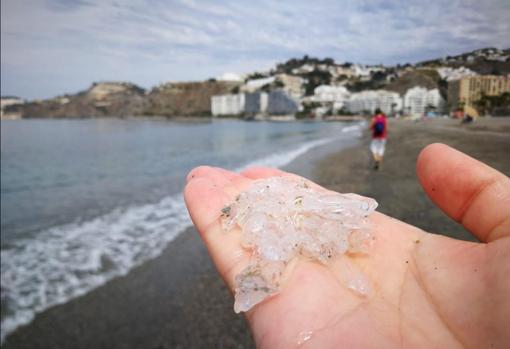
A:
{"x": 256, "y": 103}
{"x": 418, "y": 99}
{"x": 362, "y": 101}
{"x": 366, "y": 71}
{"x": 389, "y": 102}
{"x": 450, "y": 74}
{"x": 327, "y": 93}
{"x": 223, "y": 105}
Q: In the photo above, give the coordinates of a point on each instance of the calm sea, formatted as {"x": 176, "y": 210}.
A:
{"x": 84, "y": 201}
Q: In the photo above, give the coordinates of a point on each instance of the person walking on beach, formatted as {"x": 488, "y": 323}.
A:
{"x": 379, "y": 127}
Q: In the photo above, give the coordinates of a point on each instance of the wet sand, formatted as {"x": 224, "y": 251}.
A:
{"x": 178, "y": 301}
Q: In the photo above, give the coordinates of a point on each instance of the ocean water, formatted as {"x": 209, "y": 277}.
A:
{"x": 84, "y": 201}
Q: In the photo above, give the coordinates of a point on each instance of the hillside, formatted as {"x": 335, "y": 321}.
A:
{"x": 185, "y": 98}
{"x": 483, "y": 61}
{"x": 100, "y": 100}
{"x": 121, "y": 99}
{"x": 424, "y": 78}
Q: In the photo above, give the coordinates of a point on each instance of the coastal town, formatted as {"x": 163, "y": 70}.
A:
{"x": 475, "y": 84}
{"x": 458, "y": 91}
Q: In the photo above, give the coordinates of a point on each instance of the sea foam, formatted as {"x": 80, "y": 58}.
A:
{"x": 65, "y": 262}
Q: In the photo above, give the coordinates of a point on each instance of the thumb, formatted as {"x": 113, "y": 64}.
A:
{"x": 472, "y": 193}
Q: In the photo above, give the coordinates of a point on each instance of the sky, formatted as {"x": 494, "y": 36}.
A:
{"x": 52, "y": 47}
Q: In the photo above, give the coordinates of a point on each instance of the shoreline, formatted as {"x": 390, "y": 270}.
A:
{"x": 40, "y": 326}
{"x": 178, "y": 299}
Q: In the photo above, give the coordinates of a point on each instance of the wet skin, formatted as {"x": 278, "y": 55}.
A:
{"x": 429, "y": 291}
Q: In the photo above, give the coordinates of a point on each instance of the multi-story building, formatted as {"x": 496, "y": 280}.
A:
{"x": 330, "y": 96}
{"x": 280, "y": 103}
{"x": 389, "y": 102}
{"x": 254, "y": 104}
{"x": 450, "y": 74}
{"x": 227, "y": 105}
{"x": 418, "y": 100}
{"x": 368, "y": 101}
{"x": 468, "y": 90}
{"x": 328, "y": 93}
{"x": 361, "y": 102}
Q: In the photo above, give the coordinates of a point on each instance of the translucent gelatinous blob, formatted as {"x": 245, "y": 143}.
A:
{"x": 304, "y": 337}
{"x": 283, "y": 218}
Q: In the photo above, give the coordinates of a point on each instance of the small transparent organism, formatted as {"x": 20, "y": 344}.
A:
{"x": 283, "y": 218}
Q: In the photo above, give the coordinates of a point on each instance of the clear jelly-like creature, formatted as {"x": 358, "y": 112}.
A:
{"x": 282, "y": 218}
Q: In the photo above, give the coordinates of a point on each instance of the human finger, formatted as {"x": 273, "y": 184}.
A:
{"x": 472, "y": 193}
{"x": 205, "y": 196}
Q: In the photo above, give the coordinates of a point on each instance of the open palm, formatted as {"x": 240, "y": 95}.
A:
{"x": 428, "y": 291}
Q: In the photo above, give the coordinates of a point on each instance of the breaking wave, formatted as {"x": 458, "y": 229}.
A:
{"x": 64, "y": 262}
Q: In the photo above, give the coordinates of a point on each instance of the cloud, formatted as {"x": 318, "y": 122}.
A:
{"x": 54, "y": 46}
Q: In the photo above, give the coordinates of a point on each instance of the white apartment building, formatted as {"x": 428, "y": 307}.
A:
{"x": 366, "y": 71}
{"x": 362, "y": 101}
{"x": 418, "y": 99}
{"x": 450, "y": 74}
{"x": 328, "y": 93}
{"x": 224, "y": 105}
{"x": 389, "y": 102}
{"x": 253, "y": 104}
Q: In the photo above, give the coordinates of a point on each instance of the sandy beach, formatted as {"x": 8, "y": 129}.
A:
{"x": 178, "y": 301}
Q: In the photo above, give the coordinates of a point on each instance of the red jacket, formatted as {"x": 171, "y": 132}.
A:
{"x": 376, "y": 119}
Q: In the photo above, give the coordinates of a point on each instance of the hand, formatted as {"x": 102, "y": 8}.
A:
{"x": 429, "y": 291}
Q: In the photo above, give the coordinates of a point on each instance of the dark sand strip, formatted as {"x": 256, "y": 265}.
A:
{"x": 178, "y": 301}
